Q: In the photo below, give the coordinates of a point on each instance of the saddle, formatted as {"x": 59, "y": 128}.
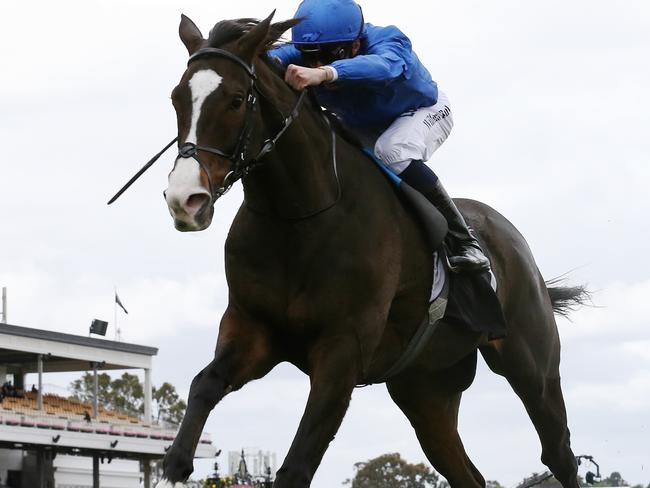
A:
{"x": 465, "y": 300}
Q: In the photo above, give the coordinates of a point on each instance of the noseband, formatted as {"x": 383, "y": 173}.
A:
{"x": 240, "y": 164}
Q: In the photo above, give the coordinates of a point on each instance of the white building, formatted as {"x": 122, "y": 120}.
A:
{"x": 257, "y": 462}
{"x": 46, "y": 441}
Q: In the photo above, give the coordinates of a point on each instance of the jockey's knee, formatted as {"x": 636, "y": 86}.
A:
{"x": 395, "y": 154}
{"x": 400, "y": 166}
{"x": 392, "y": 157}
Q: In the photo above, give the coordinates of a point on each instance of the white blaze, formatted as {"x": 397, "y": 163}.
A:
{"x": 202, "y": 84}
{"x": 185, "y": 179}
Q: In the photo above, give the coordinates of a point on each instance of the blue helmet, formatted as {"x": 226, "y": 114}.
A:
{"x": 326, "y": 21}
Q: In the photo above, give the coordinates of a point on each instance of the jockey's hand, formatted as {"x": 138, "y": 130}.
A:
{"x": 300, "y": 77}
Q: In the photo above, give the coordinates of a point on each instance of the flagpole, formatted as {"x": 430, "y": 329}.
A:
{"x": 117, "y": 333}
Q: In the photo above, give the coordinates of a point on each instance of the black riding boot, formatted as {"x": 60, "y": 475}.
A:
{"x": 467, "y": 253}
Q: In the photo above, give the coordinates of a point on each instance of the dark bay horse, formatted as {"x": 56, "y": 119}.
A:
{"x": 328, "y": 271}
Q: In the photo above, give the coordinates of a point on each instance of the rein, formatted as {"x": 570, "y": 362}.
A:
{"x": 240, "y": 165}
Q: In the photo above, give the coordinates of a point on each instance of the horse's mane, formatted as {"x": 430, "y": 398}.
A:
{"x": 229, "y": 31}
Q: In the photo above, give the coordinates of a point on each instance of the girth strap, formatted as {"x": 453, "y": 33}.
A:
{"x": 435, "y": 312}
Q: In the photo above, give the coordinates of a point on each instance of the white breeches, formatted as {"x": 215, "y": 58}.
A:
{"x": 415, "y": 135}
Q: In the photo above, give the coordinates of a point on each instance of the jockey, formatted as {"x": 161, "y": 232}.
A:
{"x": 373, "y": 81}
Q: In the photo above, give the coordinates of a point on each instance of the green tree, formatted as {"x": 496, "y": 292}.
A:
{"x": 83, "y": 388}
{"x": 169, "y": 405}
{"x": 391, "y": 471}
{"x": 614, "y": 479}
{"x": 126, "y": 394}
{"x": 493, "y": 484}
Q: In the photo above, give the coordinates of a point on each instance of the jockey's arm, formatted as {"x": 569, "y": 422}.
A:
{"x": 285, "y": 55}
{"x": 298, "y": 77}
{"x": 386, "y": 63}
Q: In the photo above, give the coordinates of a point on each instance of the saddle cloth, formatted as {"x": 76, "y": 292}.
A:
{"x": 466, "y": 299}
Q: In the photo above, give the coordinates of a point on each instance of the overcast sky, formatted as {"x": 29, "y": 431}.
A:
{"x": 552, "y": 111}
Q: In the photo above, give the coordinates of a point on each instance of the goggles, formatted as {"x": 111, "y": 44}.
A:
{"x": 324, "y": 53}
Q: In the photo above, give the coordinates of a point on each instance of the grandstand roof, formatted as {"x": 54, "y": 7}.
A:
{"x": 44, "y": 421}
{"x": 21, "y": 346}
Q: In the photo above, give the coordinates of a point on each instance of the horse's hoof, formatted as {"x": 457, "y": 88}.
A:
{"x": 168, "y": 484}
{"x": 177, "y": 468}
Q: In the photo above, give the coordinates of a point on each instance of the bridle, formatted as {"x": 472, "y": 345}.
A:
{"x": 241, "y": 165}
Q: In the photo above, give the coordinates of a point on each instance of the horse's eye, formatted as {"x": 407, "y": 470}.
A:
{"x": 236, "y": 102}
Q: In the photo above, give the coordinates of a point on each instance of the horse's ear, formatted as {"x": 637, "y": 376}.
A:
{"x": 280, "y": 28}
{"x": 255, "y": 39}
{"x": 190, "y": 35}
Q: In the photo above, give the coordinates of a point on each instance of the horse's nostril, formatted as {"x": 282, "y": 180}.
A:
{"x": 165, "y": 194}
{"x": 197, "y": 201}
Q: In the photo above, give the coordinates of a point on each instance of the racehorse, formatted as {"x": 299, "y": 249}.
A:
{"x": 328, "y": 270}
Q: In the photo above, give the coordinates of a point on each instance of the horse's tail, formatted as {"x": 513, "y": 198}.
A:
{"x": 566, "y": 299}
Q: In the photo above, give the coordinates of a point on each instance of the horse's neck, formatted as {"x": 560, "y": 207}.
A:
{"x": 297, "y": 178}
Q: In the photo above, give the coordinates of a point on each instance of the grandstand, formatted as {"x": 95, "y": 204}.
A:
{"x": 40, "y": 432}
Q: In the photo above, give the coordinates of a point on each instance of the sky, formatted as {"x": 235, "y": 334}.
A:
{"x": 551, "y": 112}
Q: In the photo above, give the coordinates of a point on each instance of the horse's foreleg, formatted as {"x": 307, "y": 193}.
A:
{"x": 243, "y": 353}
{"x": 333, "y": 377}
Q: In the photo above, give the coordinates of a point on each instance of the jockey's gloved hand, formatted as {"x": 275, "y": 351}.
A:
{"x": 300, "y": 77}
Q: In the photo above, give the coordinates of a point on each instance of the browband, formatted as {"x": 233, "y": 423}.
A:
{"x": 211, "y": 51}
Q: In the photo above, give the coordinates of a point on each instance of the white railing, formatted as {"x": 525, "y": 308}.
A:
{"x": 142, "y": 431}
